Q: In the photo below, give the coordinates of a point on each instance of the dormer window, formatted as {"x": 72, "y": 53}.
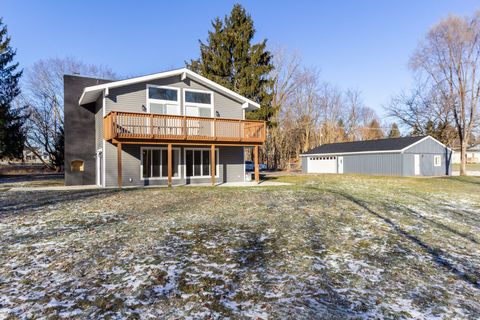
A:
{"x": 163, "y": 100}
{"x": 198, "y": 103}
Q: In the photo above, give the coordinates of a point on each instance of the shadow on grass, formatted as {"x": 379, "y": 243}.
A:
{"x": 439, "y": 225}
{"x": 15, "y": 203}
{"x": 438, "y": 255}
{"x": 36, "y": 237}
{"x": 465, "y": 179}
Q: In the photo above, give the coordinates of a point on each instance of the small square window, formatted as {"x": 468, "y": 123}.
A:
{"x": 437, "y": 161}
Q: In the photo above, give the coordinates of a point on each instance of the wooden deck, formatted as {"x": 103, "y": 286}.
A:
{"x": 144, "y": 127}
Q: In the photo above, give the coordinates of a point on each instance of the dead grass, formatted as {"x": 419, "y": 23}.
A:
{"x": 329, "y": 246}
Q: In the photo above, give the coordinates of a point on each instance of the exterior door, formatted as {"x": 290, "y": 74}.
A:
{"x": 416, "y": 164}
{"x": 99, "y": 165}
{"x": 340, "y": 164}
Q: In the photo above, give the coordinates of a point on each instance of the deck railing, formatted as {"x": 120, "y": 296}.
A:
{"x": 127, "y": 125}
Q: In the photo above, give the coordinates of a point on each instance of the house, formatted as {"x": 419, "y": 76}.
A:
{"x": 408, "y": 156}
{"x": 473, "y": 154}
{"x": 31, "y": 157}
{"x": 169, "y": 128}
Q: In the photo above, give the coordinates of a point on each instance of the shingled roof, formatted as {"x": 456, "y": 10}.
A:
{"x": 392, "y": 144}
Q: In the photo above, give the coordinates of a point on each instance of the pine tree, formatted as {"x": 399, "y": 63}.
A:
{"x": 416, "y": 130}
{"x": 342, "y": 135}
{"x": 230, "y": 59}
{"x": 374, "y": 131}
{"x": 12, "y": 137}
{"x": 394, "y": 131}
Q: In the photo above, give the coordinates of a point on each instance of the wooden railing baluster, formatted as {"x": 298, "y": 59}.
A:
{"x": 170, "y": 127}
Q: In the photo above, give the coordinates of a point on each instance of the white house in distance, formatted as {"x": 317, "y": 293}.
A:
{"x": 473, "y": 154}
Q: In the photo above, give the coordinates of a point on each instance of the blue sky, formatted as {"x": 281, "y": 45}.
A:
{"x": 363, "y": 45}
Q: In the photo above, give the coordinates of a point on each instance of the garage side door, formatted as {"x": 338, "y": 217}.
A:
{"x": 322, "y": 164}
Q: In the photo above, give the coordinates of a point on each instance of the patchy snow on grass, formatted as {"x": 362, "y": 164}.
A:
{"x": 328, "y": 248}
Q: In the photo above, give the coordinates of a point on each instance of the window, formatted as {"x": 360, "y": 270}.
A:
{"x": 155, "y": 163}
{"x": 162, "y": 100}
{"x": 437, "y": 161}
{"x": 197, "y": 162}
{"x": 198, "y": 103}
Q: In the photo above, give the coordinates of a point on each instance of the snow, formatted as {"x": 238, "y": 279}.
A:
{"x": 194, "y": 253}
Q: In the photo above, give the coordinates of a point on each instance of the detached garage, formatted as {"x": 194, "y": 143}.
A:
{"x": 408, "y": 156}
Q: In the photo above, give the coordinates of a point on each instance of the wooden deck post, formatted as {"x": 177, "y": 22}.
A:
{"x": 169, "y": 164}
{"x": 119, "y": 164}
{"x": 255, "y": 158}
{"x": 212, "y": 163}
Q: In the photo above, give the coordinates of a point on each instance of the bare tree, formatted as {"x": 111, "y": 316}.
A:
{"x": 449, "y": 59}
{"x": 424, "y": 111}
{"x": 42, "y": 93}
{"x": 305, "y": 105}
{"x": 286, "y": 82}
{"x": 354, "y": 106}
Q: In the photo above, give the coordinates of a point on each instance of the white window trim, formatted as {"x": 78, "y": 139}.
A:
{"x": 202, "y": 105}
{"x": 160, "y": 101}
{"x": 435, "y": 161}
{"x": 160, "y": 178}
{"x": 217, "y": 160}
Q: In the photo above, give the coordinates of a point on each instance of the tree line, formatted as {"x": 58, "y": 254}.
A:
{"x": 301, "y": 110}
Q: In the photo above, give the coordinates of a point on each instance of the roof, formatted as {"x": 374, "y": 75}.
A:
{"x": 379, "y": 145}
{"x": 91, "y": 94}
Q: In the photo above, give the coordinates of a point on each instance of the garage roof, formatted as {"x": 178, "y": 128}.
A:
{"x": 380, "y": 145}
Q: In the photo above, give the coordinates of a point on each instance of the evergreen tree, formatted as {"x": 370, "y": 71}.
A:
{"x": 230, "y": 59}
{"x": 12, "y": 137}
{"x": 59, "y": 149}
{"x": 416, "y": 130}
{"x": 374, "y": 131}
{"x": 430, "y": 128}
{"x": 394, "y": 131}
{"x": 342, "y": 135}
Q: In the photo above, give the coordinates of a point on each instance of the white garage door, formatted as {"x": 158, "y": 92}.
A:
{"x": 322, "y": 164}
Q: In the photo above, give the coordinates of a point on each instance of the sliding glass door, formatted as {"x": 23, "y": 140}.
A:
{"x": 197, "y": 163}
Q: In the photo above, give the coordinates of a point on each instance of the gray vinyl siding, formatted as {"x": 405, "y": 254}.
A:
{"x": 133, "y": 98}
{"x": 99, "y": 122}
{"x": 385, "y": 164}
{"x": 231, "y": 166}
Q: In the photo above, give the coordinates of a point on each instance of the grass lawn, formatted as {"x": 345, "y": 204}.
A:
{"x": 470, "y": 167}
{"x": 328, "y": 246}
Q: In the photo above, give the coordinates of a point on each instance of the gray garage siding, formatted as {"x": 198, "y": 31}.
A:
{"x": 387, "y": 164}
{"x": 230, "y": 158}
{"x": 427, "y": 149}
{"x": 426, "y": 146}
{"x": 131, "y": 98}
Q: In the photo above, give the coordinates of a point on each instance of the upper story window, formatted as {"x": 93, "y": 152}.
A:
{"x": 163, "y": 100}
{"x": 198, "y": 103}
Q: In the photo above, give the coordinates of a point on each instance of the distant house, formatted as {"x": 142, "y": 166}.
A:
{"x": 408, "y": 156}
{"x": 174, "y": 127}
{"x": 31, "y": 157}
{"x": 473, "y": 154}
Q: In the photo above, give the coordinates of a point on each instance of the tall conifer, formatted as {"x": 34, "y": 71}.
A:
{"x": 229, "y": 58}
{"x": 12, "y": 137}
